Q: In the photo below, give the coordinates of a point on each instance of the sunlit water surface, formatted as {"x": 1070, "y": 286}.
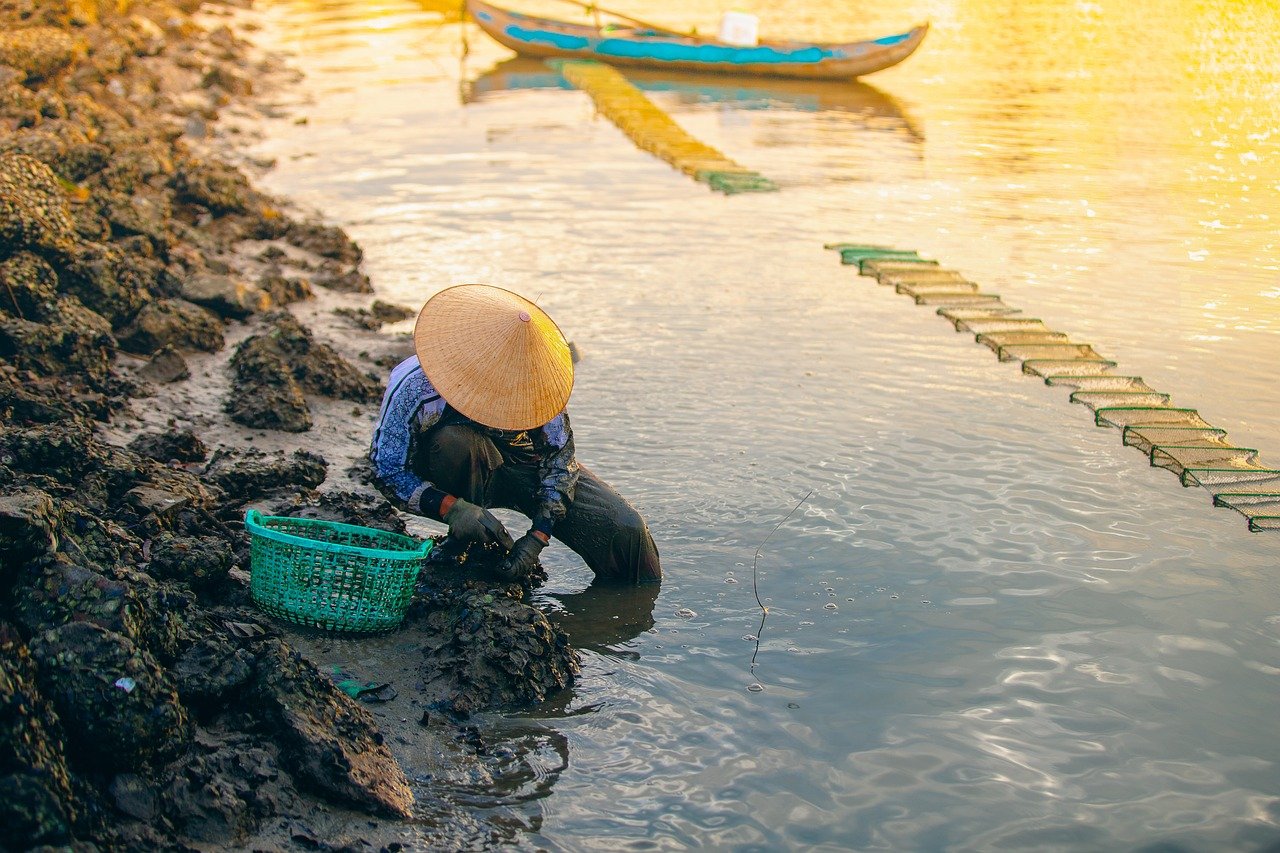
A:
{"x": 991, "y": 626}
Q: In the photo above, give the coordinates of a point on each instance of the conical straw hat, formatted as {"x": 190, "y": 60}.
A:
{"x": 494, "y": 356}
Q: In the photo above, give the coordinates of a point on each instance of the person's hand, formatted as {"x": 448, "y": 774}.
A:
{"x": 470, "y": 523}
{"x": 523, "y": 557}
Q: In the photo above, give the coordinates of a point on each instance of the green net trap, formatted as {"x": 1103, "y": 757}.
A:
{"x": 340, "y": 577}
{"x": 1175, "y": 438}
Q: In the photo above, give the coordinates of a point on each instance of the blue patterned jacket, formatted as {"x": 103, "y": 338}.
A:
{"x": 411, "y": 406}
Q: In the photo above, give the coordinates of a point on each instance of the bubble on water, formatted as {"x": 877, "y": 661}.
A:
{"x": 750, "y": 638}
{"x": 802, "y": 624}
{"x": 849, "y": 599}
{"x": 755, "y": 687}
{"x": 894, "y": 596}
{"x": 925, "y": 601}
{"x": 793, "y": 705}
{"x": 831, "y": 595}
{"x": 730, "y": 580}
{"x": 830, "y": 589}
{"x": 831, "y": 606}
{"x": 685, "y": 613}
{"x": 793, "y": 650}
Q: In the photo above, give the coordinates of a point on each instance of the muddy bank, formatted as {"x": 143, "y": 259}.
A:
{"x": 166, "y": 333}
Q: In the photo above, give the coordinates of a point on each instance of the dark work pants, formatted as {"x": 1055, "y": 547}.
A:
{"x": 600, "y": 526}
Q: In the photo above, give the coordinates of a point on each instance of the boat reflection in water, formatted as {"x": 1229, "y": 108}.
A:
{"x": 744, "y": 93}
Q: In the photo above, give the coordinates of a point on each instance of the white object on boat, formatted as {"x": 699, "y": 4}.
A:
{"x": 740, "y": 29}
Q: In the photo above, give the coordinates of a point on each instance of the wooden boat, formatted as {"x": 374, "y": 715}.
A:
{"x": 651, "y": 47}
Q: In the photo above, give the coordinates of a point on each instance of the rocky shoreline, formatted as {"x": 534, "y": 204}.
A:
{"x": 157, "y": 366}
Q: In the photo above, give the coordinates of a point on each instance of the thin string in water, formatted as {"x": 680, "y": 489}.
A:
{"x": 755, "y": 576}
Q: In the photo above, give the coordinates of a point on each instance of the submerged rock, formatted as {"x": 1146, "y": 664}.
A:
{"x": 490, "y": 651}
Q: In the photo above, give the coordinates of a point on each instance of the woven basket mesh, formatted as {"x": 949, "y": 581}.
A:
{"x": 339, "y": 577}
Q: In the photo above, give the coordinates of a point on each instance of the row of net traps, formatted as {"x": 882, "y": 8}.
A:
{"x": 654, "y": 131}
{"x": 1172, "y": 437}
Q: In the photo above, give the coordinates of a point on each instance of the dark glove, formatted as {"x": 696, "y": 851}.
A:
{"x": 523, "y": 557}
{"x": 470, "y": 523}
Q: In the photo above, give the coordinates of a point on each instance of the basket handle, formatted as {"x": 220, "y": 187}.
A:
{"x": 425, "y": 550}
{"x": 253, "y": 518}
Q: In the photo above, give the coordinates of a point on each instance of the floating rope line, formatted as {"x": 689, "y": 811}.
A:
{"x": 1172, "y": 437}
{"x": 656, "y": 132}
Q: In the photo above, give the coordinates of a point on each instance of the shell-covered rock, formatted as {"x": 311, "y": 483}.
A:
{"x": 33, "y": 209}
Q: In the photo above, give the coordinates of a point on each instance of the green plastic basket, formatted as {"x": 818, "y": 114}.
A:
{"x": 340, "y": 577}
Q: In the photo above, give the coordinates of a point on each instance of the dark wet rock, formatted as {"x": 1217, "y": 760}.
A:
{"x": 252, "y": 475}
{"x": 376, "y": 315}
{"x": 326, "y": 241}
{"x": 274, "y": 368}
{"x": 64, "y": 592}
{"x": 30, "y": 286}
{"x": 198, "y": 561}
{"x": 284, "y": 290}
{"x": 145, "y": 215}
{"x": 226, "y": 78}
{"x": 33, "y": 209}
{"x": 358, "y": 508}
{"x": 212, "y": 673}
{"x": 225, "y": 295}
{"x": 29, "y": 523}
{"x": 68, "y": 337}
{"x": 65, "y": 452}
{"x": 134, "y": 796}
{"x": 214, "y": 185}
{"x": 119, "y": 706}
{"x": 331, "y": 742}
{"x": 108, "y": 282}
{"x": 178, "y": 445}
{"x": 38, "y": 52}
{"x": 167, "y": 365}
{"x": 173, "y": 323}
{"x": 335, "y": 276}
{"x": 37, "y": 805}
{"x": 219, "y": 797}
{"x": 489, "y": 650}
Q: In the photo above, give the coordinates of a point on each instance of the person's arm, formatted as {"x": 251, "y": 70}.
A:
{"x": 557, "y": 473}
{"x": 410, "y": 406}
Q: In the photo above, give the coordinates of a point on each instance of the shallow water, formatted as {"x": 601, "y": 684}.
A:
{"x": 991, "y": 625}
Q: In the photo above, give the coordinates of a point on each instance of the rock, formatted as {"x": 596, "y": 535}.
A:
{"x": 378, "y": 314}
{"x": 30, "y": 286}
{"x": 33, "y": 210}
{"x": 273, "y": 368}
{"x": 492, "y": 651}
{"x": 326, "y": 241}
{"x": 179, "y": 445}
{"x": 225, "y": 296}
{"x": 330, "y": 742}
{"x": 38, "y": 52}
{"x": 166, "y": 366}
{"x": 227, "y": 79}
{"x": 133, "y": 796}
{"x": 244, "y": 479}
{"x": 36, "y": 801}
{"x": 173, "y": 323}
{"x": 212, "y": 673}
{"x": 70, "y": 338}
{"x": 264, "y": 394}
{"x": 214, "y": 185}
{"x": 198, "y": 561}
{"x": 344, "y": 279}
{"x": 120, "y": 707}
{"x": 220, "y": 797}
{"x": 29, "y": 525}
{"x": 282, "y": 290}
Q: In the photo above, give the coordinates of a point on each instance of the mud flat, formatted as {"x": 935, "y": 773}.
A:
{"x": 169, "y": 337}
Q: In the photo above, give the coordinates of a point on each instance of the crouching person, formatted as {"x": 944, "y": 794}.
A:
{"x": 476, "y": 419}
